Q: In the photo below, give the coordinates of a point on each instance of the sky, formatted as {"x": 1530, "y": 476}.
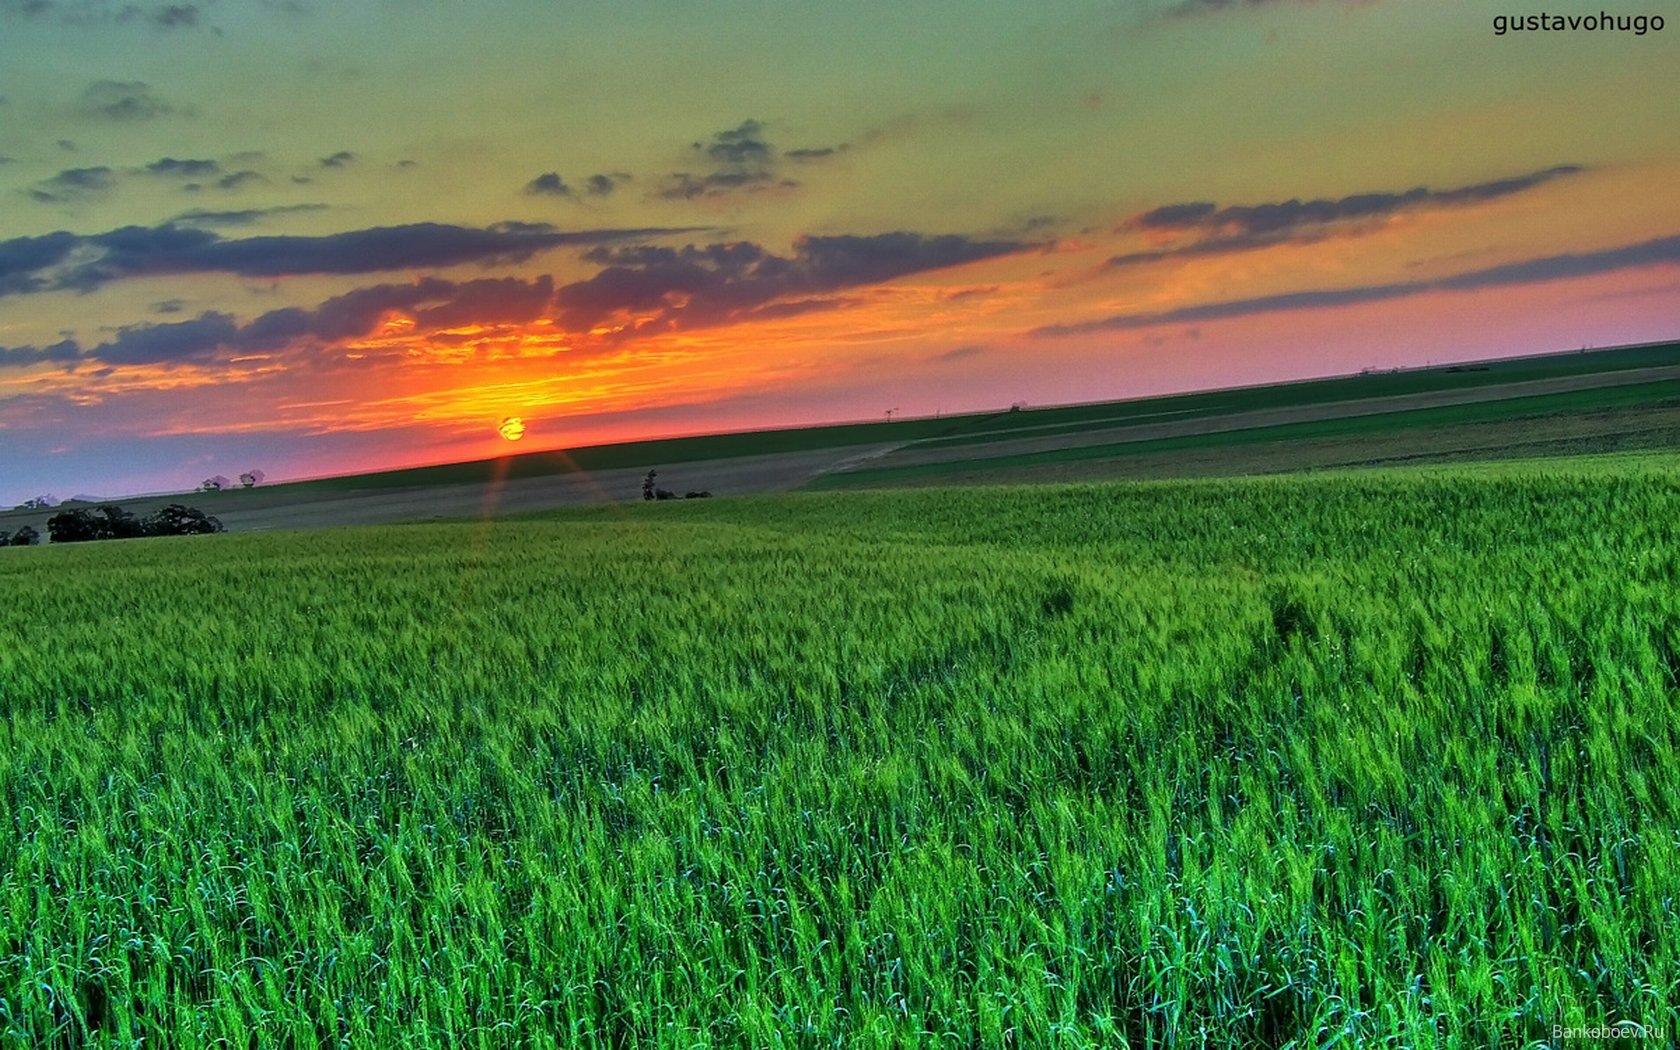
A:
{"x": 313, "y": 238}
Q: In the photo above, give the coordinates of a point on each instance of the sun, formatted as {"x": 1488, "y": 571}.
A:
{"x": 512, "y": 428}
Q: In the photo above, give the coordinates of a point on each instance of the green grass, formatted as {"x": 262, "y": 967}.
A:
{"x": 1383, "y": 759}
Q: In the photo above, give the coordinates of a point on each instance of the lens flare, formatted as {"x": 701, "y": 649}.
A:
{"x": 512, "y": 428}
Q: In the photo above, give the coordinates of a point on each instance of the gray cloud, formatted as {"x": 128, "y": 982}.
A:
{"x": 122, "y": 100}
{"x": 98, "y": 12}
{"x": 213, "y": 337}
{"x": 239, "y": 179}
{"x": 176, "y": 16}
{"x": 240, "y": 217}
{"x": 73, "y": 184}
{"x": 684, "y": 185}
{"x": 741, "y": 145}
{"x": 1663, "y": 251}
{"x": 687, "y": 287}
{"x": 741, "y": 160}
{"x": 192, "y": 169}
{"x": 548, "y": 184}
{"x": 817, "y": 152}
{"x": 1237, "y": 228}
{"x": 63, "y": 352}
{"x": 341, "y": 159}
{"x": 697, "y": 286}
{"x": 603, "y": 184}
{"x": 83, "y": 263}
{"x": 25, "y": 260}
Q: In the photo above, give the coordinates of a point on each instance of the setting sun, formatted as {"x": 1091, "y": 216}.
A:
{"x": 512, "y": 428}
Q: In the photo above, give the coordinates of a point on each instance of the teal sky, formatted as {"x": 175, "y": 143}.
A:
{"x": 932, "y": 206}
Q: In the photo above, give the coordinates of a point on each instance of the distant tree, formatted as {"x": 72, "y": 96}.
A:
{"x": 652, "y": 491}
{"x": 119, "y": 524}
{"x": 25, "y": 537}
{"x": 219, "y": 483}
{"x": 74, "y": 526}
{"x": 251, "y": 478}
{"x": 179, "y": 520}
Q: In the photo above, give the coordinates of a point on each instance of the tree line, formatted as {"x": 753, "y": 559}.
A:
{"x": 110, "y": 522}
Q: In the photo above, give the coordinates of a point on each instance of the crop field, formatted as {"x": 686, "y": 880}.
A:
{"x": 1387, "y": 758}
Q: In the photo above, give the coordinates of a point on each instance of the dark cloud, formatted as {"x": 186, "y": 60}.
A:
{"x": 122, "y": 100}
{"x": 241, "y": 217}
{"x": 548, "y": 184}
{"x": 1236, "y": 228}
{"x": 742, "y": 145}
{"x": 138, "y": 251}
{"x": 690, "y": 286}
{"x": 63, "y": 352}
{"x": 180, "y": 342}
{"x": 239, "y": 179}
{"x": 961, "y": 353}
{"x": 696, "y": 286}
{"x": 169, "y": 306}
{"x": 1664, "y": 251}
{"x": 816, "y": 152}
{"x": 341, "y": 159}
{"x": 191, "y": 169}
{"x": 1176, "y": 216}
{"x": 491, "y": 301}
{"x": 684, "y": 185}
{"x": 74, "y": 184}
{"x": 743, "y": 161}
{"x": 433, "y": 303}
{"x": 603, "y": 184}
{"x": 26, "y": 262}
{"x": 795, "y": 307}
{"x": 175, "y": 16}
{"x": 96, "y": 12}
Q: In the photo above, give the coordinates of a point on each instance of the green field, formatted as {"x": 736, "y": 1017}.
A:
{"x": 1540, "y": 411}
{"x": 1361, "y": 759}
{"x": 982, "y": 428}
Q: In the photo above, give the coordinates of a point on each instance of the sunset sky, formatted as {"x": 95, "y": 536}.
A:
{"x": 319, "y": 238}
